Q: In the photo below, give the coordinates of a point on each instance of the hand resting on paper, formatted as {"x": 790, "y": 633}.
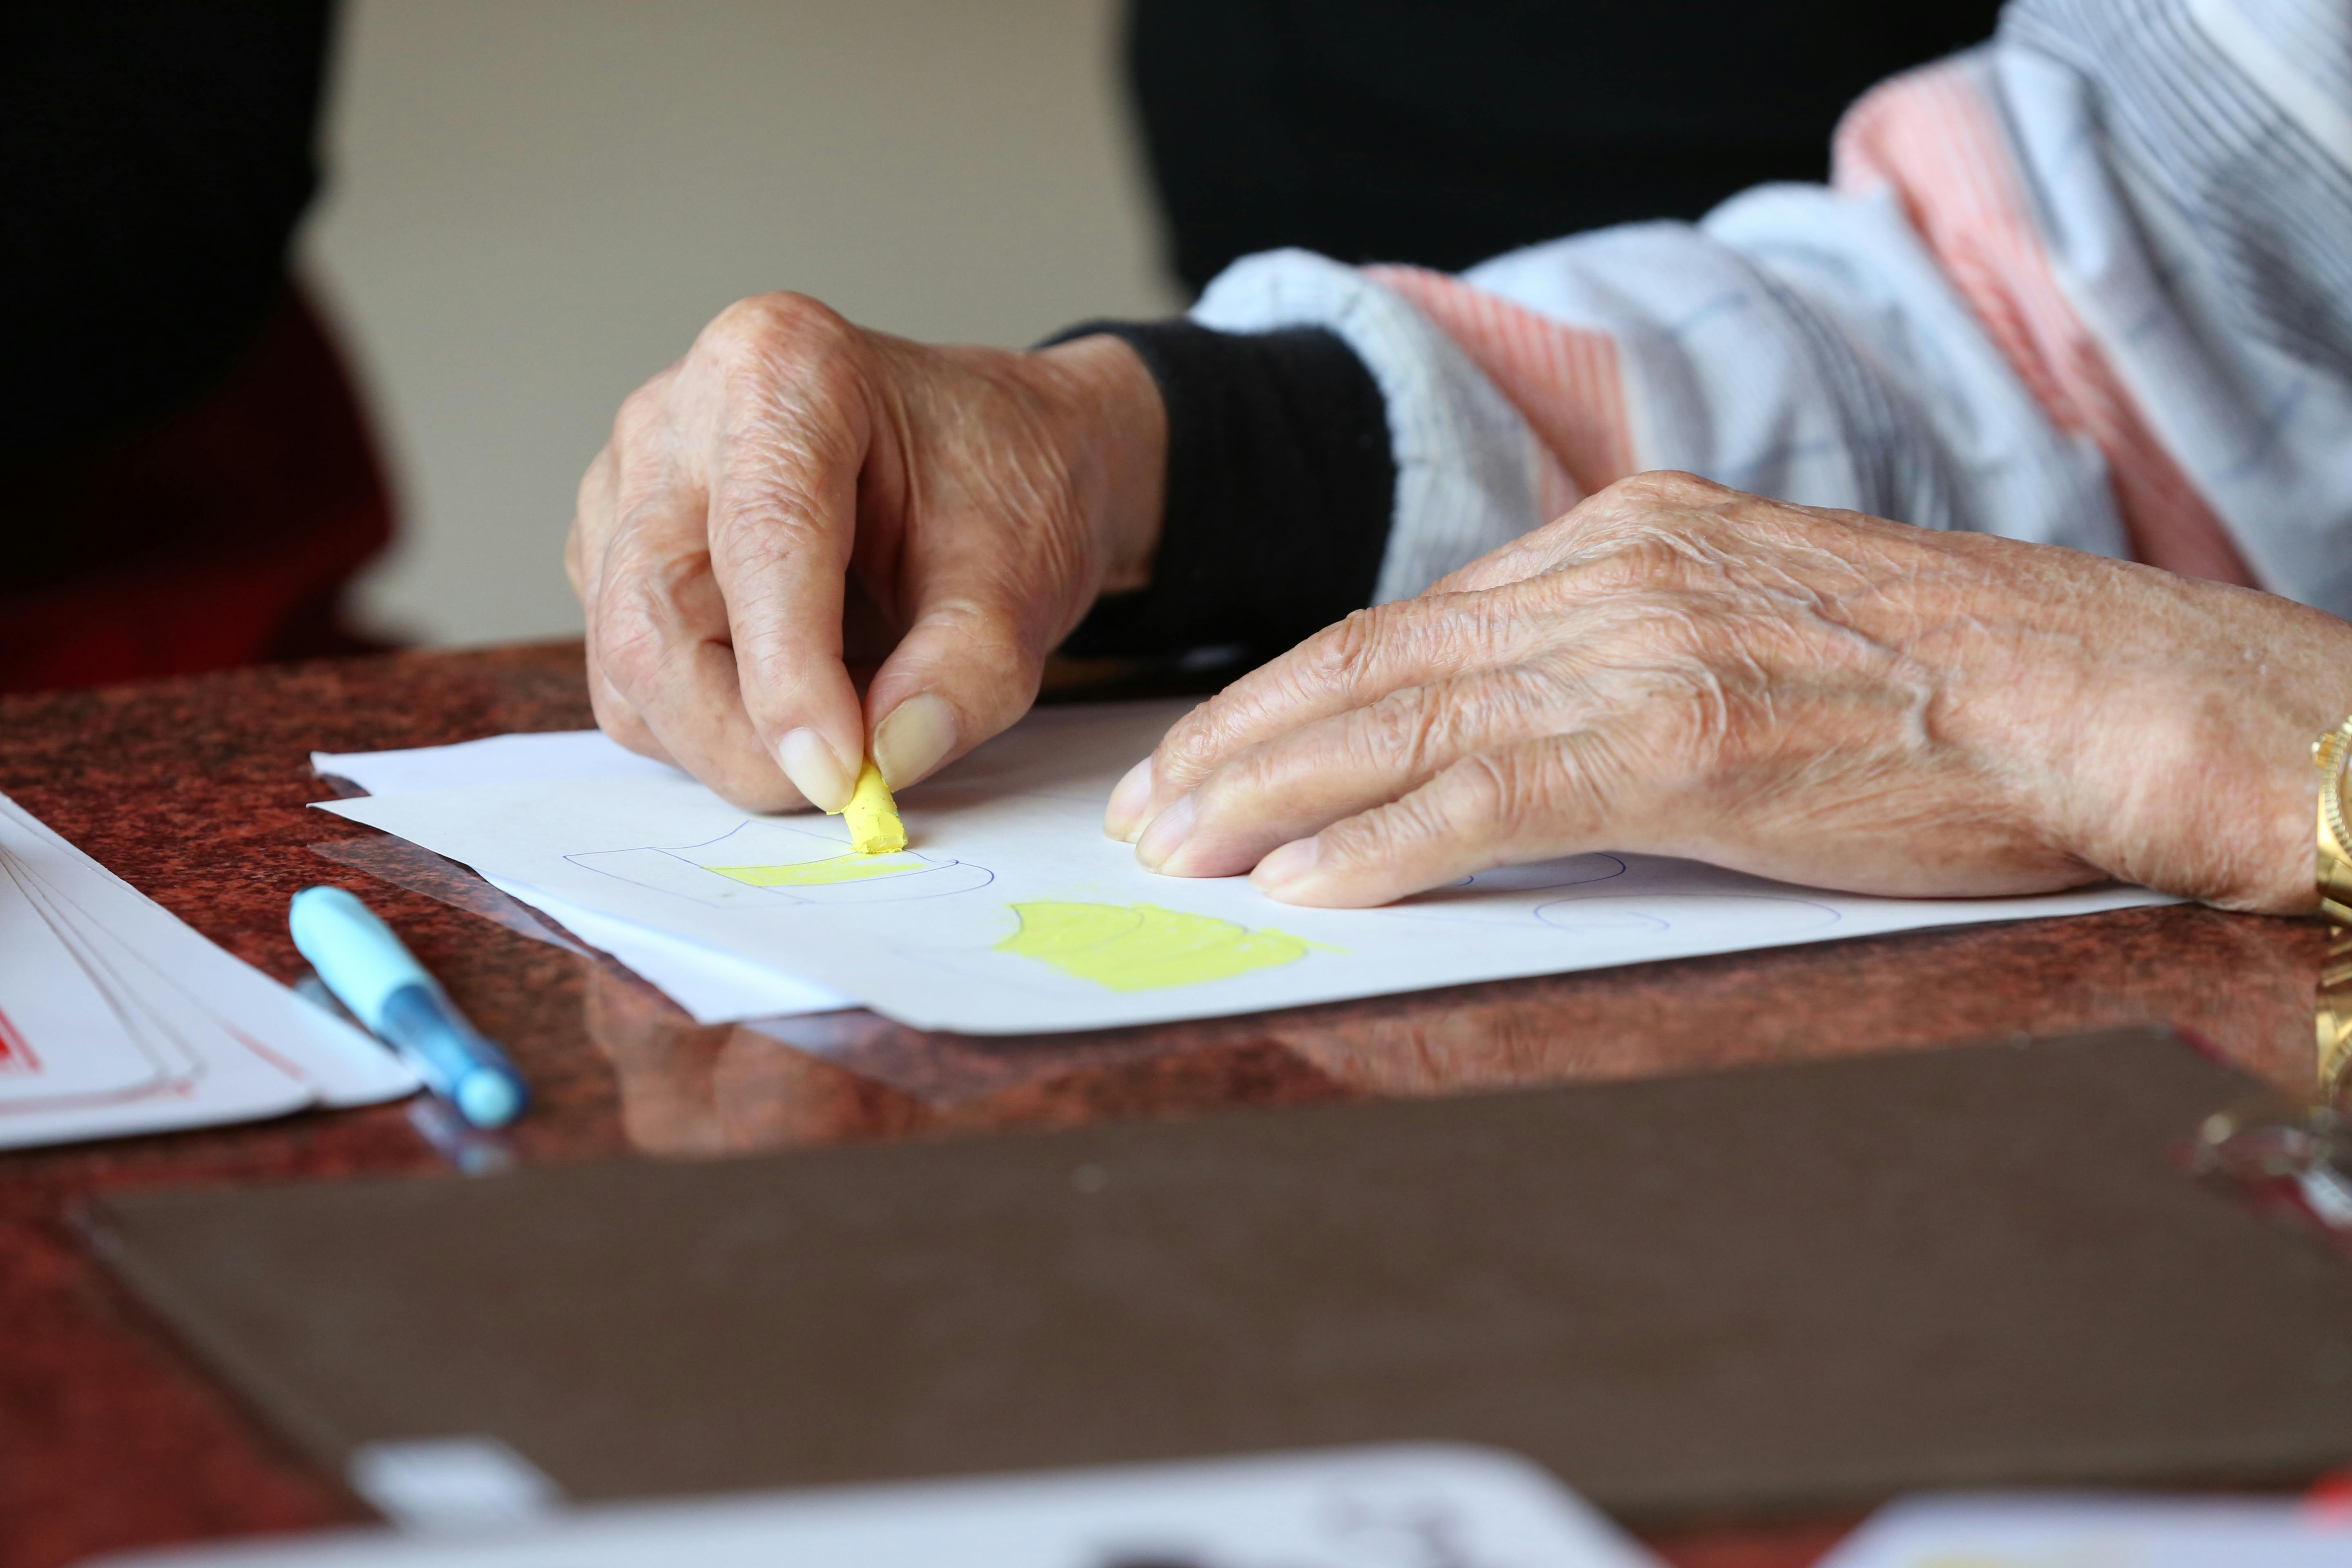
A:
{"x": 799, "y": 496}
{"x": 1829, "y": 698}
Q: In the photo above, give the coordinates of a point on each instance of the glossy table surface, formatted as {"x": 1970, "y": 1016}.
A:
{"x": 196, "y": 791}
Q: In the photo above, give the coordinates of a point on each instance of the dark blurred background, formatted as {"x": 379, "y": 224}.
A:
{"x": 1445, "y": 132}
{"x": 315, "y": 312}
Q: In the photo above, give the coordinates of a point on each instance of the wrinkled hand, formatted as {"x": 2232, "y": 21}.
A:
{"x": 1825, "y": 697}
{"x": 798, "y": 495}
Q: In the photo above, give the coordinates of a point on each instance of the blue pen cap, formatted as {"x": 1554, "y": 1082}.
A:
{"x": 355, "y": 954}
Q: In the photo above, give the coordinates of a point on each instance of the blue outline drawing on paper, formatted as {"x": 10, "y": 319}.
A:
{"x": 1646, "y": 915}
{"x": 758, "y": 863}
{"x": 1476, "y": 900}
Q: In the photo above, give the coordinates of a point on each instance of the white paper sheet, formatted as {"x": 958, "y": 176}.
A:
{"x": 1011, "y": 912}
{"x": 342, "y": 1065}
{"x": 1433, "y": 1507}
{"x": 80, "y": 1058}
{"x": 713, "y": 986}
{"x": 116, "y": 1019}
{"x": 538, "y": 757}
{"x": 2114, "y": 1531}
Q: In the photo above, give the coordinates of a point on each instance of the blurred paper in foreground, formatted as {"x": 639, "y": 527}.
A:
{"x": 1433, "y": 1507}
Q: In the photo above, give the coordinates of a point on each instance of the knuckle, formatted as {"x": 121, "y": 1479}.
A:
{"x": 1659, "y": 508}
{"x": 1406, "y": 727}
{"x": 618, "y": 717}
{"x": 1422, "y": 819}
{"x": 1505, "y": 794}
{"x": 1368, "y": 839}
{"x": 759, "y": 524}
{"x": 642, "y": 630}
{"x": 1347, "y": 648}
{"x": 630, "y": 655}
{"x": 1192, "y": 748}
{"x": 1355, "y": 651}
{"x": 1483, "y": 787}
{"x": 763, "y": 324}
{"x": 664, "y": 586}
{"x": 755, "y": 317}
{"x": 644, "y": 412}
{"x": 1669, "y": 488}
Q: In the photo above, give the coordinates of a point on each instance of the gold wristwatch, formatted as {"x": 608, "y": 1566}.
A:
{"x": 2329, "y": 751}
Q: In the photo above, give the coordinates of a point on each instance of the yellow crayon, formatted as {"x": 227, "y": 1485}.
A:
{"x": 873, "y": 815}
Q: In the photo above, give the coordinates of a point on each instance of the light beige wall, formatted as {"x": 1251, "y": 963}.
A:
{"x": 534, "y": 204}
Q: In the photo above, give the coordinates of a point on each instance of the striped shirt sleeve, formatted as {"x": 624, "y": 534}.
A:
{"x": 2089, "y": 284}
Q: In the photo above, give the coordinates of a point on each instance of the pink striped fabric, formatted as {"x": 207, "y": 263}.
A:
{"x": 1931, "y": 138}
{"x": 1565, "y": 380}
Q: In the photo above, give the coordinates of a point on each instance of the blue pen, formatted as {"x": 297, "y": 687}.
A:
{"x": 387, "y": 990}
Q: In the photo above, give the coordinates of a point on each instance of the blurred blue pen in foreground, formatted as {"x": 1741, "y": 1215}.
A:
{"x": 376, "y": 977}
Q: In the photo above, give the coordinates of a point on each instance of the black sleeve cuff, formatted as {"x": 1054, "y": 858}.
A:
{"x": 1280, "y": 487}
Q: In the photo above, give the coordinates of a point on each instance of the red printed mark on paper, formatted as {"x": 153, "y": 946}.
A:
{"x": 16, "y": 1055}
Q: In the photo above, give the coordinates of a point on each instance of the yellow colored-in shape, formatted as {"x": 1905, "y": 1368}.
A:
{"x": 1143, "y": 947}
{"x": 813, "y": 873}
{"x": 873, "y": 815}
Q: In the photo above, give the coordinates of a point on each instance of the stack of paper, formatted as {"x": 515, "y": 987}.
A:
{"x": 115, "y": 1017}
{"x": 1010, "y": 913}
{"x": 1417, "y": 1506}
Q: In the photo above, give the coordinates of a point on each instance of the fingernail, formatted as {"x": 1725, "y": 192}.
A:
{"x": 1123, "y": 817}
{"x": 912, "y": 739}
{"x": 815, "y": 769}
{"x": 1165, "y": 834}
{"x": 1286, "y": 865}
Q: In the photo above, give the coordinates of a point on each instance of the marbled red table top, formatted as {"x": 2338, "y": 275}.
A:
{"x": 195, "y": 790}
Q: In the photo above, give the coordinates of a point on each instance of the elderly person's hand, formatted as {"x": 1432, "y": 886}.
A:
{"x": 1681, "y": 668}
{"x": 798, "y": 496}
